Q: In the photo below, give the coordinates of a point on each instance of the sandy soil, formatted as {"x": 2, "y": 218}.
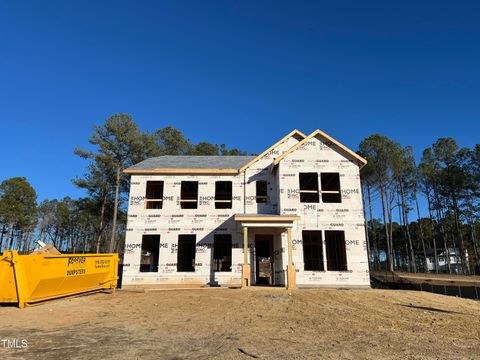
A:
{"x": 245, "y": 324}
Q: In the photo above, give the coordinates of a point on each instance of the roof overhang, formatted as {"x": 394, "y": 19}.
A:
{"x": 266, "y": 220}
{"x": 182, "y": 171}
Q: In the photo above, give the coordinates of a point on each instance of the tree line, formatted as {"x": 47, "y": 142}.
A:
{"x": 403, "y": 238}
{"x": 448, "y": 178}
{"x": 96, "y": 222}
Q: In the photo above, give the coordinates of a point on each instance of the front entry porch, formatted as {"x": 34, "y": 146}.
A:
{"x": 266, "y": 228}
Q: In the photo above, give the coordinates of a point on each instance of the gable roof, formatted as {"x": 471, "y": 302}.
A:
{"x": 174, "y": 164}
{"x": 285, "y": 138}
{"x": 361, "y": 160}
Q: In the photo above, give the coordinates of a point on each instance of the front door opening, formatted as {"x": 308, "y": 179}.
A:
{"x": 264, "y": 259}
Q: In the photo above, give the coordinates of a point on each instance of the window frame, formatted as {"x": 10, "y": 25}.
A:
{"x": 228, "y": 200}
{"x": 308, "y": 245}
{"x": 147, "y": 240}
{"x": 329, "y": 193}
{"x": 224, "y": 242}
{"x": 185, "y": 240}
{"x": 305, "y": 191}
{"x": 340, "y": 257}
{"x": 149, "y": 200}
{"x": 261, "y": 199}
{"x": 184, "y": 200}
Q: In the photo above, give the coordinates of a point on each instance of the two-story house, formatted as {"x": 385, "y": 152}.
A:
{"x": 292, "y": 215}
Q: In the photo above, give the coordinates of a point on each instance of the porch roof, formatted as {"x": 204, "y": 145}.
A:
{"x": 266, "y": 220}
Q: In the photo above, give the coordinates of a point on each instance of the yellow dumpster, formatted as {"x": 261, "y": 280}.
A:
{"x": 26, "y": 279}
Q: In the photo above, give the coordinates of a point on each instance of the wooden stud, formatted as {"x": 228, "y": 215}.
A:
{"x": 245, "y": 245}
{"x": 291, "y": 272}
{"x": 246, "y": 265}
{"x": 289, "y": 238}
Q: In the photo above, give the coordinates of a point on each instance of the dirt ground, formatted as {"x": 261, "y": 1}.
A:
{"x": 245, "y": 324}
{"x": 437, "y": 279}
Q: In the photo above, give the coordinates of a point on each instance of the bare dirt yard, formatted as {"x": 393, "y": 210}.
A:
{"x": 263, "y": 323}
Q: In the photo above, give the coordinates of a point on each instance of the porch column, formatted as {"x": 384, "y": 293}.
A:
{"x": 291, "y": 274}
{"x": 246, "y": 265}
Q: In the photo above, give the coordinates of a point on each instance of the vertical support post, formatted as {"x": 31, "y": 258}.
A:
{"x": 291, "y": 273}
{"x": 289, "y": 237}
{"x": 246, "y": 265}
{"x": 245, "y": 245}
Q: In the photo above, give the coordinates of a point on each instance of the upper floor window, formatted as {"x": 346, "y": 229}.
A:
{"x": 223, "y": 195}
{"x": 262, "y": 193}
{"x": 154, "y": 195}
{"x": 189, "y": 195}
{"x": 330, "y": 188}
{"x": 309, "y": 188}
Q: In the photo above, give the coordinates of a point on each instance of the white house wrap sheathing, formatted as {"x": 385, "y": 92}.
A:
{"x": 316, "y": 155}
{"x": 319, "y": 155}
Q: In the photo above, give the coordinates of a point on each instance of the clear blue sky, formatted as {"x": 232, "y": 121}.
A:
{"x": 242, "y": 73}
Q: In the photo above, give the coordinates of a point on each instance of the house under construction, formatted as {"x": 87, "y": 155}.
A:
{"x": 291, "y": 216}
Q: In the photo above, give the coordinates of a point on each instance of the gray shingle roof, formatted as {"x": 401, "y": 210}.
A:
{"x": 193, "y": 162}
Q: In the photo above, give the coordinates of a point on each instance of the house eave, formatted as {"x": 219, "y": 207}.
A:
{"x": 180, "y": 171}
